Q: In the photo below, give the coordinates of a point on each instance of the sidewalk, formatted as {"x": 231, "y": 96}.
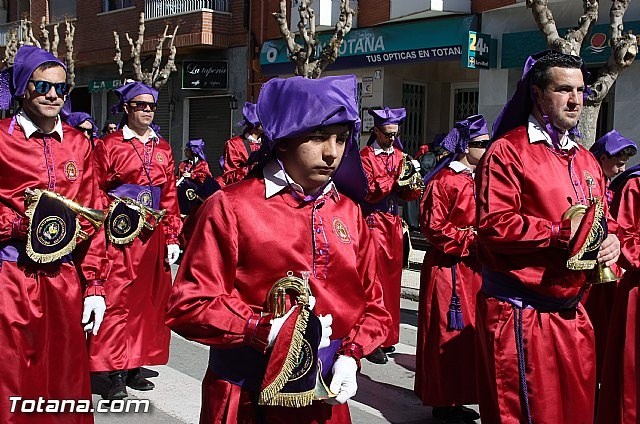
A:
{"x": 410, "y": 285}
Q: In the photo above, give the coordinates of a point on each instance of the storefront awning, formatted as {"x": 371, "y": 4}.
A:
{"x": 517, "y": 46}
{"x": 408, "y": 42}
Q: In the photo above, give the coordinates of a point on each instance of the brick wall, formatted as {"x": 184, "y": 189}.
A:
{"x": 479, "y": 6}
{"x": 372, "y": 12}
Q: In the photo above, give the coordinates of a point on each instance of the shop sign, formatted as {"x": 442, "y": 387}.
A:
{"x": 205, "y": 75}
{"x": 516, "y": 47}
{"x": 480, "y": 51}
{"x": 97, "y": 86}
{"x": 384, "y": 45}
{"x": 367, "y": 86}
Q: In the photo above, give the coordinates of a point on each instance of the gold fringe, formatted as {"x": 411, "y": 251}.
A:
{"x": 121, "y": 240}
{"x": 575, "y": 263}
{"x": 45, "y": 258}
{"x": 273, "y": 389}
{"x": 293, "y": 400}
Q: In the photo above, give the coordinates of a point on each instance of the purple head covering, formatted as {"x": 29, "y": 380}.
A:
{"x": 387, "y": 116}
{"x": 611, "y": 143}
{"x": 288, "y": 108}
{"x": 76, "y": 118}
{"x": 250, "y": 116}
{"x": 27, "y": 60}
{"x": 458, "y": 138}
{"x": 126, "y": 93}
{"x": 517, "y": 110}
{"x": 197, "y": 147}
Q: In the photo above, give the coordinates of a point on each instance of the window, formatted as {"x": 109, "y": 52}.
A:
{"x": 465, "y": 103}
{"x": 413, "y": 100}
{"x": 109, "y": 5}
{"x": 60, "y": 9}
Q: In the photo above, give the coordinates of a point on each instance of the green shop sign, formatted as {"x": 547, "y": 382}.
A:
{"x": 97, "y": 86}
{"x": 435, "y": 39}
{"x": 516, "y": 47}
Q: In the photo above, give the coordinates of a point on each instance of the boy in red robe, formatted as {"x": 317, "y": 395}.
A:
{"x": 297, "y": 215}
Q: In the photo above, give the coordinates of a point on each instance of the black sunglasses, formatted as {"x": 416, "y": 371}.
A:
{"x": 139, "y": 106}
{"x": 86, "y": 130}
{"x": 389, "y": 135}
{"x": 43, "y": 87}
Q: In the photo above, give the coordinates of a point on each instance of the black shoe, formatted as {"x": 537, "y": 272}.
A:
{"x": 136, "y": 381}
{"x": 389, "y": 349}
{"x": 466, "y": 413}
{"x": 378, "y": 357}
{"x": 118, "y": 389}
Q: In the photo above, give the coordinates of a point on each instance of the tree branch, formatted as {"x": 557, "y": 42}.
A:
{"x": 331, "y": 50}
{"x": 170, "y": 66}
{"x": 547, "y": 25}
{"x": 56, "y": 40}
{"x": 292, "y": 46}
{"x": 118, "y": 56}
{"x": 44, "y": 35}
{"x": 69, "y": 35}
{"x": 576, "y": 36}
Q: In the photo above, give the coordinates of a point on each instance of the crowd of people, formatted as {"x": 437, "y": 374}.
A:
{"x": 293, "y": 255}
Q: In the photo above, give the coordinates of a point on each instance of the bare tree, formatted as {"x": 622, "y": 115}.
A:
{"x": 624, "y": 47}
{"x": 157, "y": 76}
{"x": 308, "y": 60}
{"x": 47, "y": 40}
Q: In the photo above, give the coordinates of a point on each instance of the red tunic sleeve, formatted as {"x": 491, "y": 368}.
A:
{"x": 437, "y": 207}
{"x": 380, "y": 182}
{"x": 200, "y": 172}
{"x": 628, "y": 224}
{"x": 10, "y": 223}
{"x": 235, "y": 161}
{"x": 171, "y": 223}
{"x": 502, "y": 224}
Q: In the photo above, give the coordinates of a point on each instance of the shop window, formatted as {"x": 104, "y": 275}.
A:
{"x": 61, "y": 9}
{"x": 465, "y": 103}
{"x": 109, "y": 5}
{"x": 413, "y": 100}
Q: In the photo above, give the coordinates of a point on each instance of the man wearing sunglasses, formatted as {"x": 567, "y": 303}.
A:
{"x": 43, "y": 352}
{"x": 136, "y": 163}
{"x": 382, "y": 160}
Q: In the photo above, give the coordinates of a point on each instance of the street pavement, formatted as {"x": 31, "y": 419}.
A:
{"x": 385, "y": 392}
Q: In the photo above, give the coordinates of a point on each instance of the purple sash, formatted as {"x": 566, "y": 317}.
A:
{"x": 512, "y": 291}
{"x": 245, "y": 366}
{"x": 13, "y": 250}
{"x": 148, "y": 196}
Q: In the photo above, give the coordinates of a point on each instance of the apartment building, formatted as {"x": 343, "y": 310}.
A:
{"x": 203, "y": 98}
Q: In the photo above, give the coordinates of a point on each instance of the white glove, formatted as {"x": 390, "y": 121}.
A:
{"x": 312, "y": 302}
{"x": 416, "y": 165}
{"x": 96, "y": 305}
{"x": 344, "y": 382}
{"x": 276, "y": 325}
{"x": 173, "y": 252}
{"x": 325, "y": 322}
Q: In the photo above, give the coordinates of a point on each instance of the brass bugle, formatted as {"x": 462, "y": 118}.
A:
{"x": 94, "y": 216}
{"x": 277, "y": 297}
{"x": 145, "y": 211}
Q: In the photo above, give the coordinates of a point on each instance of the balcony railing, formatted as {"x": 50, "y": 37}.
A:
{"x": 163, "y": 8}
{"x": 4, "y": 31}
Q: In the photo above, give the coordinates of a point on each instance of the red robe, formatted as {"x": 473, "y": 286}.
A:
{"x": 250, "y": 243}
{"x": 619, "y": 393}
{"x": 380, "y": 205}
{"x": 523, "y": 190}
{"x": 133, "y": 332}
{"x": 235, "y": 166}
{"x": 199, "y": 171}
{"x": 42, "y": 343}
{"x": 445, "y": 358}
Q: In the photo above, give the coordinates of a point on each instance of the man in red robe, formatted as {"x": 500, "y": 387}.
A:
{"x": 618, "y": 399}
{"x": 192, "y": 173}
{"x": 296, "y": 216}
{"x": 383, "y": 161}
{"x": 43, "y": 351}
{"x": 135, "y": 163}
{"x": 237, "y": 150}
{"x": 535, "y": 343}
{"x": 450, "y": 278}
{"x": 612, "y": 151}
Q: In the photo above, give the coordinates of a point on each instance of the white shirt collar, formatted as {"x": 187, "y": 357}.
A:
{"x": 538, "y": 133}
{"x": 128, "y": 134}
{"x": 276, "y": 180}
{"x": 458, "y": 167}
{"x": 252, "y": 139}
{"x": 30, "y": 128}
{"x": 377, "y": 149}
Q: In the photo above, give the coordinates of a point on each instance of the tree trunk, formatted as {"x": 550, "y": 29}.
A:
{"x": 589, "y": 123}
